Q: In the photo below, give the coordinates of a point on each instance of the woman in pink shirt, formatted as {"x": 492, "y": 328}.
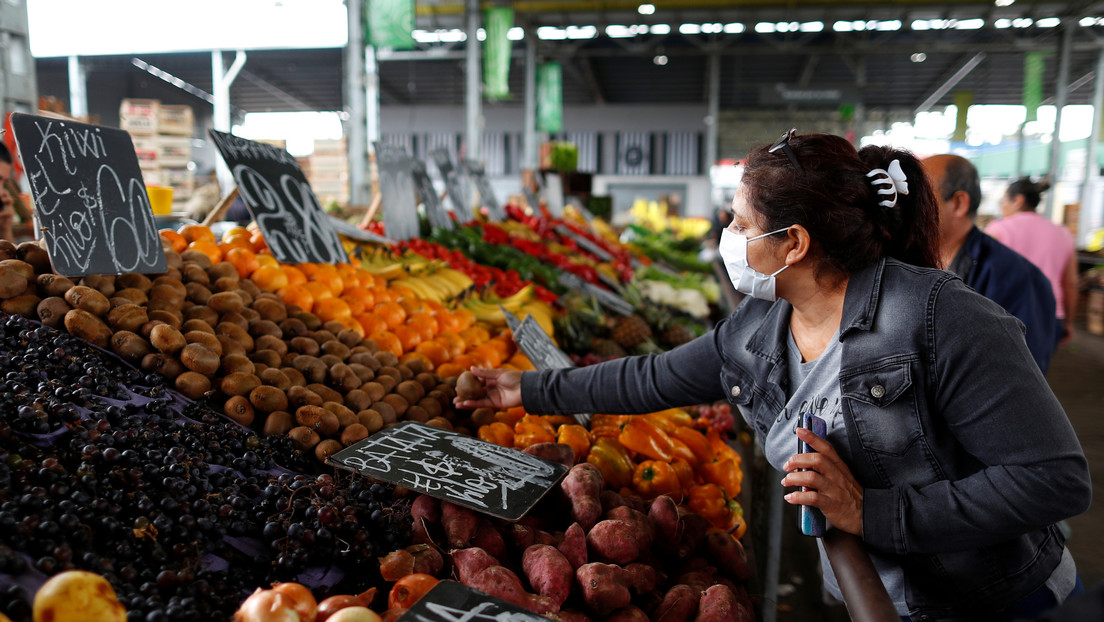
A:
{"x": 1045, "y": 244}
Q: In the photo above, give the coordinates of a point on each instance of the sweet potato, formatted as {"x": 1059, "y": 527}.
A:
{"x": 639, "y": 520}
{"x": 489, "y": 539}
{"x": 611, "y": 499}
{"x": 616, "y": 541}
{"x": 583, "y": 487}
{"x": 680, "y": 604}
{"x": 559, "y": 453}
{"x": 728, "y": 554}
{"x": 548, "y": 571}
{"x": 525, "y": 536}
{"x": 470, "y": 562}
{"x": 460, "y": 524}
{"x": 574, "y": 546}
{"x": 426, "y": 507}
{"x": 694, "y": 528}
{"x": 665, "y": 520}
{"x": 604, "y": 587}
{"x": 719, "y": 604}
{"x": 642, "y": 578}
{"x": 569, "y": 615}
{"x": 628, "y": 614}
{"x": 502, "y": 583}
{"x": 422, "y": 532}
{"x": 698, "y": 580}
{"x": 427, "y": 559}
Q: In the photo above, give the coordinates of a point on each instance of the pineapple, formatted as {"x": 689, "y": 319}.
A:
{"x": 675, "y": 334}
{"x": 630, "y": 331}
{"x": 606, "y": 348}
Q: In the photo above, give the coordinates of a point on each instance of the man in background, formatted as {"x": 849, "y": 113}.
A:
{"x": 7, "y": 199}
{"x": 989, "y": 267}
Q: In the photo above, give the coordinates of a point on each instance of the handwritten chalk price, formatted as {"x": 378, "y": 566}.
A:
{"x": 450, "y": 601}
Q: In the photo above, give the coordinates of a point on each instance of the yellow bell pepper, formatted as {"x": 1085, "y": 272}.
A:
{"x": 654, "y": 477}
{"x": 613, "y": 461}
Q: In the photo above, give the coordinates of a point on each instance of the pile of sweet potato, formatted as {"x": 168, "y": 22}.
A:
{"x": 584, "y": 553}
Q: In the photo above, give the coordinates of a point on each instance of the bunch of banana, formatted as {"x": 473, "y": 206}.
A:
{"x": 542, "y": 313}
{"x": 382, "y": 265}
{"x": 441, "y": 285}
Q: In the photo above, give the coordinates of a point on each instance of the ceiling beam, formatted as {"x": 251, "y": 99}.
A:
{"x": 948, "y": 83}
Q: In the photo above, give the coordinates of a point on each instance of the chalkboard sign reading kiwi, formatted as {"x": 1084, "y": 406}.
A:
{"x": 435, "y": 210}
{"x": 396, "y": 183}
{"x": 454, "y": 184}
{"x": 90, "y": 199}
{"x": 478, "y": 176}
{"x": 280, "y": 201}
{"x": 495, "y": 480}
{"x": 450, "y": 601}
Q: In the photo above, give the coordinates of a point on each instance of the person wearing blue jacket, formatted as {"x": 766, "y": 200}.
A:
{"x": 946, "y": 452}
{"x": 991, "y": 268}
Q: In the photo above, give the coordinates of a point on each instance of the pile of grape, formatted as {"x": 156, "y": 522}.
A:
{"x": 182, "y": 510}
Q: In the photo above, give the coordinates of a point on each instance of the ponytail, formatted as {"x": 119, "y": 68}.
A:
{"x": 1031, "y": 191}
{"x": 911, "y": 227}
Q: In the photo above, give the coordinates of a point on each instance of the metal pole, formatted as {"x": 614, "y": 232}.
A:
{"x": 529, "y": 132}
{"x": 774, "y": 547}
{"x": 355, "y": 92}
{"x": 78, "y": 88}
{"x": 472, "y": 83}
{"x": 372, "y": 94}
{"x": 1090, "y": 201}
{"x": 1060, "y": 97}
{"x": 221, "y": 80}
{"x": 712, "y": 119}
{"x": 1020, "y": 153}
{"x": 863, "y": 591}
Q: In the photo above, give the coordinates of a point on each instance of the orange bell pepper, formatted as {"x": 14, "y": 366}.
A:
{"x": 724, "y": 473}
{"x": 643, "y": 437}
{"x": 532, "y": 430}
{"x": 654, "y": 477}
{"x": 607, "y": 425}
{"x": 684, "y": 471}
{"x": 575, "y": 436}
{"x": 498, "y": 433}
{"x": 720, "y": 447}
{"x": 710, "y": 501}
{"x": 681, "y": 452}
{"x": 697, "y": 442}
{"x": 668, "y": 420}
{"x": 613, "y": 461}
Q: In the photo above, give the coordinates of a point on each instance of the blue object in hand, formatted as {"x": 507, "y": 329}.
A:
{"x": 811, "y": 518}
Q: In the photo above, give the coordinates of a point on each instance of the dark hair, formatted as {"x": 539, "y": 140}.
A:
{"x": 960, "y": 174}
{"x": 5, "y": 155}
{"x": 1031, "y": 191}
{"x": 832, "y": 197}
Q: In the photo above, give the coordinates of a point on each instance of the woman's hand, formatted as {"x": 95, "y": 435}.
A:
{"x": 502, "y": 386}
{"x": 833, "y": 488}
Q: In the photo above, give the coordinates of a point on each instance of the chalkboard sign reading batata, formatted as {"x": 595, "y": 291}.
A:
{"x": 486, "y": 194}
{"x": 495, "y": 480}
{"x": 281, "y": 201}
{"x": 90, "y": 199}
{"x": 435, "y": 210}
{"x": 400, "y": 207}
{"x": 450, "y": 601}
{"x": 456, "y": 195}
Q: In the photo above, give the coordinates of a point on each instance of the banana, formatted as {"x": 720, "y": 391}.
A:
{"x": 458, "y": 280}
{"x": 419, "y": 287}
{"x": 540, "y": 315}
{"x": 485, "y": 312}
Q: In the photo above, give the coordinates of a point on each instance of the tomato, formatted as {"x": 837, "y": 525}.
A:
{"x": 409, "y": 589}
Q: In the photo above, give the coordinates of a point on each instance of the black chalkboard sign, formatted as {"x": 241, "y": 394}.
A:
{"x": 396, "y": 184}
{"x": 356, "y": 233}
{"x": 280, "y": 201}
{"x": 478, "y": 176}
{"x": 485, "y": 477}
{"x": 539, "y": 348}
{"x": 450, "y": 601}
{"x": 607, "y": 299}
{"x": 90, "y": 199}
{"x": 585, "y": 243}
{"x": 456, "y": 195}
{"x": 438, "y": 215}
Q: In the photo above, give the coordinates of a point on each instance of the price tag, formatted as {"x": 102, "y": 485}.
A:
{"x": 511, "y": 320}
{"x": 456, "y": 195}
{"x": 280, "y": 201}
{"x": 585, "y": 243}
{"x": 485, "y": 477}
{"x": 478, "y": 176}
{"x": 90, "y": 199}
{"x": 450, "y": 601}
{"x": 609, "y": 300}
{"x": 438, "y": 215}
{"x": 396, "y": 183}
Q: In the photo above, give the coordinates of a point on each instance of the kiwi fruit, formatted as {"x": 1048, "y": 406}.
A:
{"x": 416, "y": 413}
{"x": 235, "y": 318}
{"x": 81, "y": 323}
{"x": 248, "y": 313}
{"x": 304, "y": 438}
{"x": 270, "y": 310}
{"x": 357, "y": 400}
{"x": 103, "y": 283}
{"x": 145, "y": 330}
{"x": 168, "y": 339}
{"x": 132, "y": 294}
{"x": 345, "y": 416}
{"x": 34, "y": 253}
{"x": 387, "y": 370}
{"x": 195, "y": 274}
{"x": 53, "y": 285}
{"x": 230, "y": 346}
{"x": 309, "y": 319}
{"x": 223, "y": 269}
{"x": 326, "y": 393}
{"x": 133, "y": 280}
{"x": 204, "y": 338}
{"x": 363, "y": 372}
{"x": 197, "y": 258}
{"x": 268, "y": 399}
{"x": 348, "y": 337}
{"x": 199, "y": 358}
{"x": 386, "y": 359}
{"x": 369, "y": 345}
{"x": 192, "y": 384}
{"x": 276, "y": 378}
{"x": 294, "y": 376}
{"x": 317, "y": 418}
{"x": 327, "y": 448}
{"x": 468, "y": 387}
{"x": 239, "y": 409}
{"x": 386, "y": 411}
{"x": 375, "y": 390}
{"x": 336, "y": 348}
{"x": 12, "y": 281}
{"x": 278, "y": 423}
{"x": 8, "y": 250}
{"x": 343, "y": 378}
{"x": 190, "y": 325}
{"x": 130, "y": 346}
{"x": 302, "y": 396}
{"x": 270, "y": 342}
{"x": 366, "y": 359}
{"x": 264, "y": 328}
{"x": 415, "y": 365}
{"x": 88, "y": 299}
{"x": 353, "y": 434}
{"x": 168, "y": 295}
{"x": 166, "y": 281}
{"x": 389, "y": 382}
{"x": 235, "y": 332}
{"x": 268, "y": 358}
{"x": 167, "y": 366}
{"x": 313, "y": 370}
{"x": 225, "y": 284}
{"x": 448, "y": 390}
{"x": 293, "y": 327}
{"x": 52, "y": 310}
{"x": 168, "y": 317}
{"x": 24, "y": 304}
{"x": 237, "y": 363}
{"x": 397, "y": 402}
{"x": 428, "y": 380}
{"x": 370, "y": 419}
{"x": 174, "y": 262}
{"x": 431, "y": 406}
{"x": 333, "y": 327}
{"x": 329, "y": 359}
{"x": 440, "y": 422}
{"x": 304, "y": 345}
{"x": 225, "y": 302}
{"x": 411, "y": 391}
{"x": 239, "y": 383}
{"x": 201, "y": 312}
{"x": 249, "y": 287}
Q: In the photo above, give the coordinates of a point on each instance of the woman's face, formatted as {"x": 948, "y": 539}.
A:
{"x": 745, "y": 221}
{"x": 1010, "y": 205}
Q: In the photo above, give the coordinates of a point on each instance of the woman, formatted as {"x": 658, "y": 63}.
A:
{"x": 934, "y": 407}
{"x": 1045, "y": 244}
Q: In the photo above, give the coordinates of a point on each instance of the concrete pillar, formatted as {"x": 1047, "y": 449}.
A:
{"x": 473, "y": 81}
{"x": 355, "y": 94}
{"x": 1060, "y": 97}
{"x": 78, "y": 88}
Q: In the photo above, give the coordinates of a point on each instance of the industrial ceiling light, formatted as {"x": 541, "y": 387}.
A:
{"x": 918, "y": 57}
{"x": 646, "y": 9}
{"x": 1004, "y": 2}
{"x": 660, "y": 59}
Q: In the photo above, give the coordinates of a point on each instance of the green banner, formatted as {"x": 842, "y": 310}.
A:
{"x": 962, "y": 100}
{"x": 390, "y": 23}
{"x": 549, "y": 98}
{"x": 1034, "y": 63}
{"x": 497, "y": 22}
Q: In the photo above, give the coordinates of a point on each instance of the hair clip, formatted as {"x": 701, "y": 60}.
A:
{"x": 893, "y": 182}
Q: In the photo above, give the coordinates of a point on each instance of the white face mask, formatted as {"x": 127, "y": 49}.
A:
{"x": 746, "y": 280}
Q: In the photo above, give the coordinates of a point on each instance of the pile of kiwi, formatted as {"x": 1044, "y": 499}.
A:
{"x": 216, "y": 336}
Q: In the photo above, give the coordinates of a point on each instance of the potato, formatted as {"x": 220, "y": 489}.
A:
{"x": 583, "y": 487}
{"x": 604, "y": 587}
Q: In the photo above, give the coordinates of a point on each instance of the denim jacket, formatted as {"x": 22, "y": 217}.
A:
{"x": 965, "y": 455}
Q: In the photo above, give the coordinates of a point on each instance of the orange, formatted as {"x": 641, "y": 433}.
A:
{"x": 359, "y": 299}
{"x": 409, "y": 356}
{"x": 235, "y": 232}
{"x": 330, "y": 279}
{"x": 371, "y": 323}
{"x": 412, "y": 305}
{"x": 319, "y": 290}
{"x": 258, "y": 242}
{"x": 446, "y": 321}
{"x": 296, "y": 295}
{"x": 332, "y": 309}
{"x": 504, "y": 344}
{"x": 269, "y": 278}
{"x": 464, "y": 361}
{"x": 520, "y": 361}
{"x": 308, "y": 269}
{"x": 387, "y": 342}
{"x": 178, "y": 242}
{"x": 365, "y": 278}
{"x": 353, "y": 325}
{"x": 424, "y": 323}
{"x": 475, "y": 335}
{"x": 408, "y": 336}
{"x": 347, "y": 273}
{"x": 449, "y": 370}
{"x": 485, "y": 355}
{"x": 194, "y": 233}
{"x": 266, "y": 259}
{"x": 390, "y": 312}
{"x": 295, "y": 275}
{"x": 435, "y": 351}
{"x": 464, "y": 318}
{"x": 455, "y": 343}
{"x": 244, "y": 260}
{"x": 432, "y": 305}
{"x": 400, "y": 291}
{"x": 207, "y": 247}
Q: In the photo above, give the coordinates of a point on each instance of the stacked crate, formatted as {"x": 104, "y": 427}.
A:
{"x": 328, "y": 171}
{"x": 162, "y": 137}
